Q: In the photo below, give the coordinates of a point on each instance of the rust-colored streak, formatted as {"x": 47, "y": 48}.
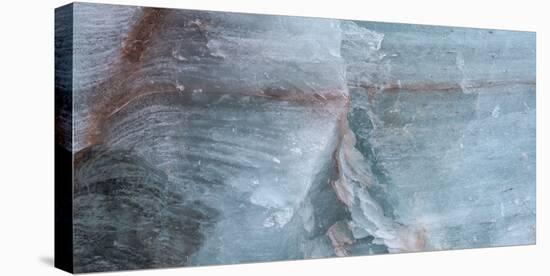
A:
{"x": 115, "y": 92}
{"x": 440, "y": 86}
{"x": 139, "y": 38}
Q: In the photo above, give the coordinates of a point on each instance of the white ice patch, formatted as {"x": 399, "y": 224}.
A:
{"x": 360, "y": 48}
{"x": 296, "y": 150}
{"x": 496, "y": 112}
{"x": 279, "y": 218}
{"x": 464, "y": 83}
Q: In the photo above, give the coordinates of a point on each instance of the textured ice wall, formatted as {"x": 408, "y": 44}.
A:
{"x": 450, "y": 130}
{"x": 208, "y": 143}
{"x": 215, "y": 138}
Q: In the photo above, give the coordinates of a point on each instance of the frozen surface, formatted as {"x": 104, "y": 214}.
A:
{"x": 216, "y": 138}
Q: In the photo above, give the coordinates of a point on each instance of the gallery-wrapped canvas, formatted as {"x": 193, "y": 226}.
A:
{"x": 188, "y": 138}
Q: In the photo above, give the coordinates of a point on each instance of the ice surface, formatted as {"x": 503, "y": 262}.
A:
{"x": 451, "y": 163}
{"x": 227, "y": 138}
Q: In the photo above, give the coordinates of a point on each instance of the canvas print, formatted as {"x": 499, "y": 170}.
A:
{"x": 190, "y": 138}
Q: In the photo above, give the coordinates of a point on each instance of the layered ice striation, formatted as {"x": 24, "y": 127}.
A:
{"x": 450, "y": 131}
{"x": 216, "y": 138}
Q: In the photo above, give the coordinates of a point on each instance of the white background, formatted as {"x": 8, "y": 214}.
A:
{"x": 26, "y": 133}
